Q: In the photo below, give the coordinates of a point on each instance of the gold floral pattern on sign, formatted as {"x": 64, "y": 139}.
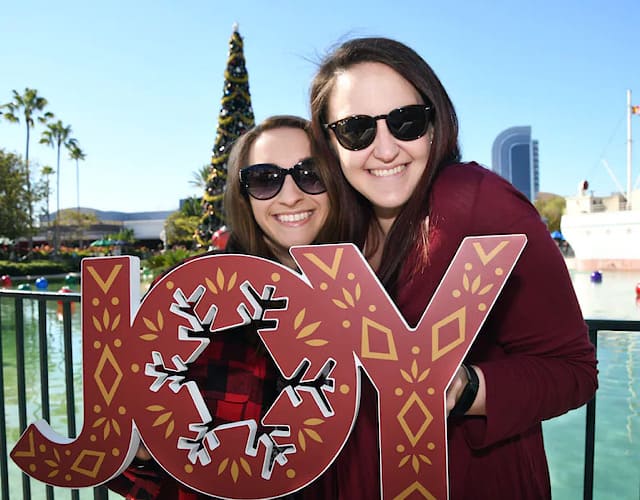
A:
{"x": 415, "y": 459}
{"x": 414, "y": 376}
{"x": 350, "y": 299}
{"x": 165, "y": 417}
{"x": 105, "y": 323}
{"x": 311, "y": 422}
{"x": 234, "y": 469}
{"x": 473, "y": 286}
{"x": 220, "y": 281}
{"x": 307, "y": 330}
{"x": 54, "y": 463}
{"x": 154, "y": 328}
{"x": 107, "y": 425}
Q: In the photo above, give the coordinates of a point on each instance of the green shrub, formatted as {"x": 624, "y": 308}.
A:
{"x": 35, "y": 268}
{"x": 158, "y": 263}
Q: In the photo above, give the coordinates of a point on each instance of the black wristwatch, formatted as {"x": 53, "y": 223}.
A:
{"x": 469, "y": 392}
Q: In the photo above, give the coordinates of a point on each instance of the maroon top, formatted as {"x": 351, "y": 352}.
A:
{"x": 534, "y": 349}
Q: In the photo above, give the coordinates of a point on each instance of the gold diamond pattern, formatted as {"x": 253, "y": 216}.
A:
{"x": 88, "y": 456}
{"x": 459, "y": 317}
{"x": 370, "y": 328}
{"x": 415, "y": 487}
{"x": 413, "y": 402}
{"x": 107, "y": 359}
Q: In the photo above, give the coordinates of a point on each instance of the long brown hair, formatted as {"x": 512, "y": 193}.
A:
{"x": 409, "y": 229}
{"x": 246, "y": 234}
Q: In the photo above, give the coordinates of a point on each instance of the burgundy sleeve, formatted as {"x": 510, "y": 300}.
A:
{"x": 534, "y": 350}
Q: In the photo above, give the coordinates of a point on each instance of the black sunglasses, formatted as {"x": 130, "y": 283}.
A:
{"x": 406, "y": 124}
{"x": 265, "y": 180}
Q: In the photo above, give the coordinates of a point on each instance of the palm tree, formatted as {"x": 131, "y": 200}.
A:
{"x": 46, "y": 172}
{"x": 199, "y": 177}
{"x": 29, "y": 105}
{"x": 57, "y": 135}
{"x": 75, "y": 153}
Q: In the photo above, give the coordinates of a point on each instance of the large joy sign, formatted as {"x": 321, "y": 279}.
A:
{"x": 320, "y": 327}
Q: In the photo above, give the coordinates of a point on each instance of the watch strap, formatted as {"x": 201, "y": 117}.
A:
{"x": 469, "y": 392}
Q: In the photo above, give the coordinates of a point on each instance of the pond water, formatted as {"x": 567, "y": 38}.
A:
{"x": 617, "y": 448}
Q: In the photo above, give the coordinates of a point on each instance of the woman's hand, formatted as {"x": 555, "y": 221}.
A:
{"x": 142, "y": 453}
{"x": 457, "y": 385}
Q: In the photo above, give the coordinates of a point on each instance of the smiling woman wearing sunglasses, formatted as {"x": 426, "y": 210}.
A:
{"x": 275, "y": 198}
{"x": 389, "y": 132}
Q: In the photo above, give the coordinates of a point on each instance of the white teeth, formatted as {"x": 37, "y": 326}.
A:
{"x": 293, "y": 217}
{"x": 379, "y": 172}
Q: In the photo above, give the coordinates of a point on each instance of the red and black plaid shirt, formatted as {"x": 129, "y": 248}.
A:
{"x": 238, "y": 381}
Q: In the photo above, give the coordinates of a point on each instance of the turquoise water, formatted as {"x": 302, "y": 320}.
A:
{"x": 617, "y": 466}
{"x": 617, "y": 448}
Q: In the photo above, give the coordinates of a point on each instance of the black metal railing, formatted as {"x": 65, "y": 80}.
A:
{"x": 67, "y": 299}
{"x": 65, "y": 302}
{"x": 595, "y": 326}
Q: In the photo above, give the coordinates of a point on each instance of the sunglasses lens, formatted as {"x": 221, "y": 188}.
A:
{"x": 408, "y": 123}
{"x": 262, "y": 181}
{"x": 356, "y": 132}
{"x": 306, "y": 177}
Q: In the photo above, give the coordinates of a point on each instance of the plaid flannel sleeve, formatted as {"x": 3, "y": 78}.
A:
{"x": 139, "y": 482}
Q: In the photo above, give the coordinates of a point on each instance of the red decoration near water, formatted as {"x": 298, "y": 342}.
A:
{"x": 5, "y": 281}
{"x": 220, "y": 238}
{"x": 319, "y": 326}
{"x": 59, "y": 311}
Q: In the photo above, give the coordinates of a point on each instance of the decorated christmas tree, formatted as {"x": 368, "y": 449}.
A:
{"x": 236, "y": 116}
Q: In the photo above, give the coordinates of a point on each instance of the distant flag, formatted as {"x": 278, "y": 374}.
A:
{"x": 635, "y": 110}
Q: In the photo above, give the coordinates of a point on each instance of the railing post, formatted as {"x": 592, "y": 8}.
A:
{"x": 43, "y": 352}
{"x": 68, "y": 369}
{"x": 4, "y": 466}
{"x": 590, "y": 432}
{"x": 22, "y": 386}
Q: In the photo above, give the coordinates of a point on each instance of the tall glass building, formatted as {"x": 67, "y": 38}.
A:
{"x": 515, "y": 157}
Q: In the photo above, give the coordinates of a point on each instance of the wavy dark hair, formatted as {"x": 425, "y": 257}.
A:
{"x": 246, "y": 235}
{"x": 409, "y": 229}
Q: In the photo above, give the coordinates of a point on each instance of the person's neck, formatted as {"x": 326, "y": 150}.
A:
{"x": 374, "y": 245}
{"x": 385, "y": 218}
{"x": 282, "y": 255}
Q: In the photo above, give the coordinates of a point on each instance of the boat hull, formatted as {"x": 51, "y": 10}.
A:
{"x": 603, "y": 240}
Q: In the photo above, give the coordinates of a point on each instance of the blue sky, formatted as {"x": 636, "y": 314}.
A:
{"x": 141, "y": 82}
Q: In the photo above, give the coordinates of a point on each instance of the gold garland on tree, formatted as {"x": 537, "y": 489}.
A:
{"x": 236, "y": 116}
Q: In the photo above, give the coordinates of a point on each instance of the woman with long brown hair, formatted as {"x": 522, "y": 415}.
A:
{"x": 389, "y": 132}
{"x": 275, "y": 198}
